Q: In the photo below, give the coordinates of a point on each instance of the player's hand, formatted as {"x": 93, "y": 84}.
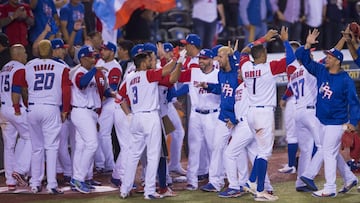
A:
{"x": 202, "y": 85}
{"x": 78, "y": 25}
{"x": 282, "y": 104}
{"x": 229, "y": 124}
{"x": 284, "y": 34}
{"x": 348, "y": 127}
{"x": 271, "y": 35}
{"x": 311, "y": 38}
{"x": 182, "y": 56}
{"x": 64, "y": 116}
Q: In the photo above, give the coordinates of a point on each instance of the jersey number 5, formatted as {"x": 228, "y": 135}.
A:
{"x": 44, "y": 81}
{"x": 5, "y": 84}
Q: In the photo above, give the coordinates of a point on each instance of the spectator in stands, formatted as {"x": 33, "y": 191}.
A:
{"x": 69, "y": 14}
{"x": 4, "y": 50}
{"x": 44, "y": 13}
{"x": 15, "y": 19}
{"x": 204, "y": 16}
{"x": 333, "y": 24}
{"x": 90, "y": 17}
{"x": 59, "y": 4}
{"x": 254, "y": 16}
{"x": 315, "y": 12}
{"x": 290, "y": 13}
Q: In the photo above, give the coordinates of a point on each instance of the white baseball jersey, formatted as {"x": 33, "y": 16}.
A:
{"x": 201, "y": 98}
{"x": 112, "y": 74}
{"x": 85, "y": 98}
{"x": 6, "y": 79}
{"x": 44, "y": 84}
{"x": 141, "y": 85}
{"x": 260, "y": 81}
{"x": 241, "y": 101}
{"x": 130, "y": 68}
{"x": 191, "y": 62}
{"x": 303, "y": 86}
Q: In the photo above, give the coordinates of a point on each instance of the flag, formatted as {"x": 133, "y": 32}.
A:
{"x": 116, "y": 13}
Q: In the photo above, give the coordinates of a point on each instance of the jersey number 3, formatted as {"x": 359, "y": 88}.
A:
{"x": 298, "y": 88}
{"x": 44, "y": 81}
{"x": 135, "y": 98}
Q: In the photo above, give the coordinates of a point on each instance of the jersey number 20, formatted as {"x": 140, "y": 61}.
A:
{"x": 44, "y": 81}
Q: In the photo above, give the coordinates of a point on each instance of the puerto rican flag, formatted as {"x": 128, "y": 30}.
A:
{"x": 116, "y": 13}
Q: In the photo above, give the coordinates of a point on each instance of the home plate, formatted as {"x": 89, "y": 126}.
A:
{"x": 67, "y": 190}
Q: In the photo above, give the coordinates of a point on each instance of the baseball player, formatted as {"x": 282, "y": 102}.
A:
{"x": 204, "y": 112}
{"x": 87, "y": 92}
{"x": 337, "y": 110}
{"x": 145, "y": 127}
{"x": 64, "y": 163}
{"x": 259, "y": 78}
{"x": 17, "y": 153}
{"x": 48, "y": 87}
{"x": 227, "y": 83}
{"x": 109, "y": 108}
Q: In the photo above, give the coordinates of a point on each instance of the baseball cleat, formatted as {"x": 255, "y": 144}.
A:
{"x": 21, "y": 181}
{"x": 230, "y": 192}
{"x": 209, "y": 188}
{"x": 303, "y": 189}
{"x": 309, "y": 183}
{"x": 323, "y": 193}
{"x": 287, "y": 169}
{"x": 153, "y": 196}
{"x": 264, "y": 196}
{"x": 55, "y": 191}
{"x": 93, "y": 182}
{"x": 179, "y": 171}
{"x": 167, "y": 192}
{"x": 250, "y": 187}
{"x": 190, "y": 187}
{"x": 115, "y": 182}
{"x": 202, "y": 178}
{"x": 81, "y": 187}
{"x": 36, "y": 189}
{"x": 347, "y": 188}
{"x": 123, "y": 195}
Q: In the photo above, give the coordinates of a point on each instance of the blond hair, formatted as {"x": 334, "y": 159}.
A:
{"x": 45, "y": 49}
{"x": 226, "y": 49}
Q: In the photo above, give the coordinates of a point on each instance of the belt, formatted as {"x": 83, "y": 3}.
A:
{"x": 3, "y": 103}
{"x": 310, "y": 107}
{"x": 263, "y": 106}
{"x": 206, "y": 111}
{"x": 32, "y": 103}
{"x": 93, "y": 109}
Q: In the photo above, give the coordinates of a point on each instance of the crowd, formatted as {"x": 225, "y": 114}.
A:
{"x": 62, "y": 83}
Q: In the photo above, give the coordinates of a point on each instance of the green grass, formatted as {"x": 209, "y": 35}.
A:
{"x": 285, "y": 191}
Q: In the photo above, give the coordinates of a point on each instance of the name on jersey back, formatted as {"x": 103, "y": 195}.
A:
{"x": 252, "y": 74}
{"x": 41, "y": 67}
{"x": 297, "y": 74}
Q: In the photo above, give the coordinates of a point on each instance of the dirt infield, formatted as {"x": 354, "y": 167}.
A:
{"x": 279, "y": 157}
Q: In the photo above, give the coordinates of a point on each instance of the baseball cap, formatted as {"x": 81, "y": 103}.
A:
{"x": 193, "y": 39}
{"x": 58, "y": 43}
{"x": 150, "y": 47}
{"x": 168, "y": 47}
{"x": 216, "y": 48}
{"x": 109, "y": 46}
{"x": 86, "y": 51}
{"x": 335, "y": 53}
{"x": 4, "y": 40}
{"x": 137, "y": 49}
{"x": 206, "y": 53}
{"x": 296, "y": 43}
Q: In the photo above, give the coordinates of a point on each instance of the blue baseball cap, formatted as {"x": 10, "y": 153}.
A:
{"x": 86, "y": 51}
{"x": 216, "y": 48}
{"x": 58, "y": 43}
{"x": 193, "y": 39}
{"x": 168, "y": 47}
{"x": 150, "y": 47}
{"x": 206, "y": 53}
{"x": 335, "y": 53}
{"x": 109, "y": 46}
{"x": 136, "y": 50}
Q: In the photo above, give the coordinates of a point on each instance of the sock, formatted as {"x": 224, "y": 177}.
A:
{"x": 261, "y": 171}
{"x": 162, "y": 172}
{"x": 314, "y": 151}
{"x": 253, "y": 174}
{"x": 292, "y": 149}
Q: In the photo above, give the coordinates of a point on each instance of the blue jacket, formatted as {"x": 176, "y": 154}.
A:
{"x": 228, "y": 82}
{"x": 337, "y": 101}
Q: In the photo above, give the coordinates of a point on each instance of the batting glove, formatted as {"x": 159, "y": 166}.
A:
{"x": 182, "y": 57}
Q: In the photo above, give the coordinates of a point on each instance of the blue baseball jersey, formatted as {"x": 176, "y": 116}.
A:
{"x": 337, "y": 101}
{"x": 228, "y": 82}
{"x": 71, "y": 14}
{"x": 43, "y": 13}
